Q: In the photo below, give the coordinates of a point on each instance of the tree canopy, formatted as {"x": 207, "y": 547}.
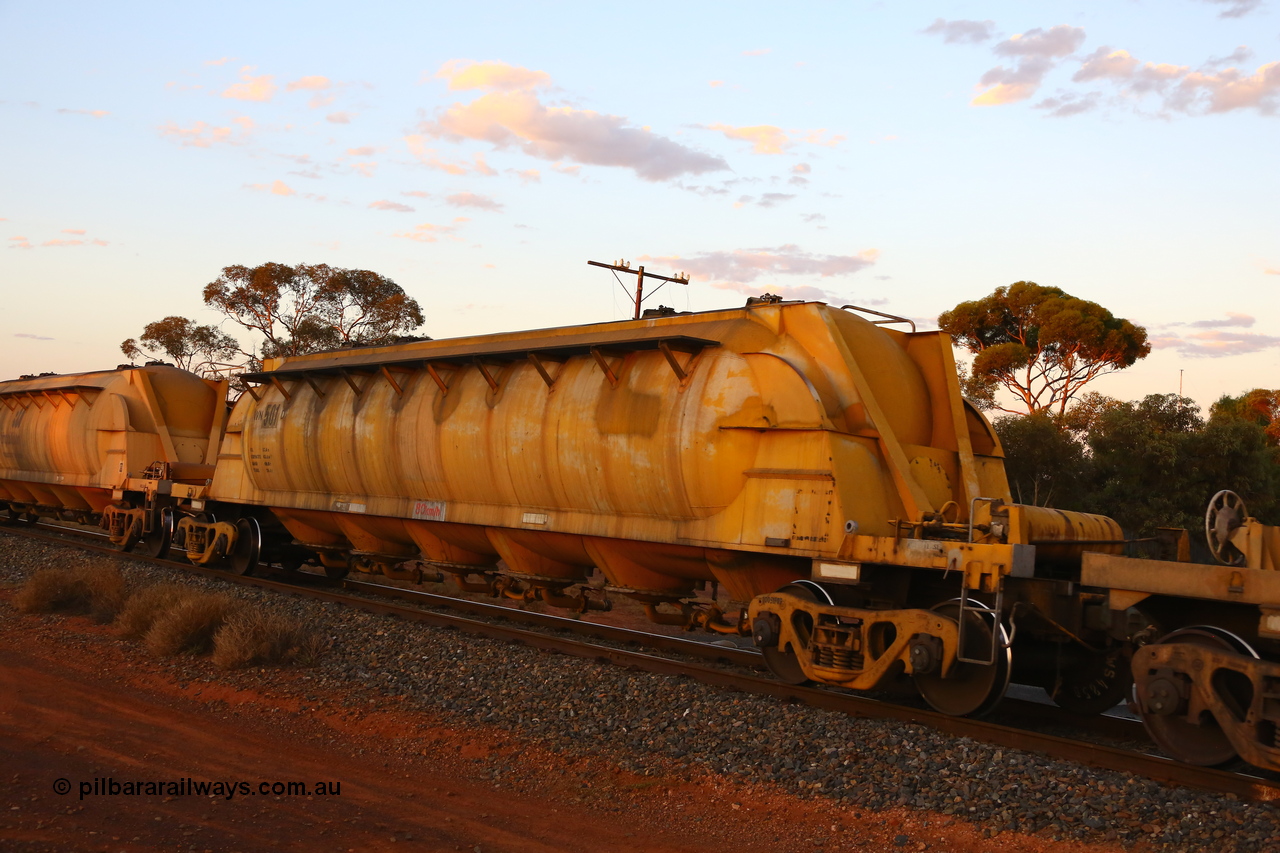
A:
{"x": 311, "y": 307}
{"x": 1041, "y": 344}
{"x": 190, "y": 345}
{"x": 1260, "y": 406}
{"x": 296, "y": 310}
{"x": 1148, "y": 464}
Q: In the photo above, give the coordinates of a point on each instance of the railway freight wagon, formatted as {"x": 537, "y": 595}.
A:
{"x": 789, "y": 447}
{"x": 71, "y": 445}
{"x": 819, "y": 466}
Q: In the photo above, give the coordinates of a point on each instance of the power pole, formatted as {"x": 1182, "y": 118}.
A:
{"x": 639, "y": 297}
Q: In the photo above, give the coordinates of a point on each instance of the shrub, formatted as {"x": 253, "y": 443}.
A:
{"x": 256, "y": 636}
{"x": 98, "y": 590}
{"x": 142, "y": 608}
{"x": 189, "y": 624}
{"x": 107, "y": 590}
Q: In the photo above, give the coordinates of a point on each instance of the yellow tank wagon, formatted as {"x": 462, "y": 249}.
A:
{"x": 113, "y": 445}
{"x": 816, "y": 463}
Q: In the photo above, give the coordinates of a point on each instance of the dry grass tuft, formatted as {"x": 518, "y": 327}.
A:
{"x": 142, "y": 608}
{"x": 189, "y": 624}
{"x": 108, "y": 591}
{"x": 98, "y": 590}
{"x": 256, "y": 636}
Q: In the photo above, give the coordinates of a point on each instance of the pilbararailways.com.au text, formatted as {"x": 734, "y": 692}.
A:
{"x": 188, "y": 787}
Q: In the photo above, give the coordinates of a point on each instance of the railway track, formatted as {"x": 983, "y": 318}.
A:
{"x": 717, "y": 665}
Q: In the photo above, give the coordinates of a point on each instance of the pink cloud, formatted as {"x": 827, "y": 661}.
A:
{"x": 417, "y": 194}
{"x": 1068, "y": 104}
{"x": 479, "y": 202}
{"x": 1235, "y": 8}
{"x": 427, "y": 232}
{"x": 363, "y": 151}
{"x": 202, "y": 135}
{"x": 511, "y": 115}
{"x": 312, "y": 83}
{"x": 742, "y": 266}
{"x": 1055, "y": 42}
{"x": 252, "y": 88}
{"x": 94, "y": 113}
{"x": 764, "y": 138}
{"x": 464, "y": 74}
{"x": 366, "y": 169}
{"x": 482, "y": 165}
{"x": 384, "y": 204}
{"x": 962, "y": 32}
{"x": 765, "y": 200}
{"x": 222, "y": 61}
{"x": 1037, "y": 52}
{"x": 759, "y": 52}
{"x": 1233, "y": 319}
{"x": 275, "y": 188}
{"x": 427, "y": 156}
{"x": 63, "y": 243}
{"x": 1229, "y": 90}
{"x": 1216, "y": 343}
{"x": 1106, "y": 64}
{"x": 339, "y": 118}
{"x": 715, "y": 84}
{"x": 79, "y": 231}
{"x": 1218, "y": 86}
{"x": 528, "y": 176}
{"x": 20, "y": 242}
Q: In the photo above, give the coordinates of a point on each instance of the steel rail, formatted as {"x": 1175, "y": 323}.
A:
{"x": 1104, "y": 757}
{"x": 749, "y": 658}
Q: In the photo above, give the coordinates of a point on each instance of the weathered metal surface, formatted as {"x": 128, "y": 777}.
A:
{"x": 1186, "y": 580}
{"x": 70, "y": 441}
{"x": 1207, "y": 703}
{"x": 731, "y": 445}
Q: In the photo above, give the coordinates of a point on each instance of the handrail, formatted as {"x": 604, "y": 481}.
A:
{"x": 889, "y": 318}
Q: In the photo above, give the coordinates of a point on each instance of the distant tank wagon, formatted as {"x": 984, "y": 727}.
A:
{"x": 817, "y": 464}
{"x": 69, "y": 445}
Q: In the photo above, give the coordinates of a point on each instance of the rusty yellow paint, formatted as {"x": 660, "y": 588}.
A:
{"x": 732, "y": 445}
{"x": 108, "y": 426}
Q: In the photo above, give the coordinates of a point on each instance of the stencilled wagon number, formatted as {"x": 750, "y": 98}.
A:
{"x": 268, "y": 416}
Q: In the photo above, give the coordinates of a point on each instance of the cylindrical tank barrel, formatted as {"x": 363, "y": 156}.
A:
{"x": 1062, "y": 536}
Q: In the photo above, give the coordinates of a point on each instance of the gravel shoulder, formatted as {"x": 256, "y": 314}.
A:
{"x": 447, "y": 742}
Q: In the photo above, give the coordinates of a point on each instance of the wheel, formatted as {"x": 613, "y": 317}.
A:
{"x": 1096, "y": 682}
{"x": 1206, "y": 744}
{"x": 971, "y": 689}
{"x": 784, "y": 663}
{"x": 1226, "y": 512}
{"x": 157, "y": 544}
{"x": 243, "y": 559}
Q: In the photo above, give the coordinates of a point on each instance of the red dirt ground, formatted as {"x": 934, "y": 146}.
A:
{"x": 78, "y": 704}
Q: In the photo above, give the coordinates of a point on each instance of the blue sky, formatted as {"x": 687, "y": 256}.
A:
{"x": 901, "y": 156}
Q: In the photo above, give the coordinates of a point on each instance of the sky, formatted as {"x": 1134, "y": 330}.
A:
{"x": 900, "y": 156}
